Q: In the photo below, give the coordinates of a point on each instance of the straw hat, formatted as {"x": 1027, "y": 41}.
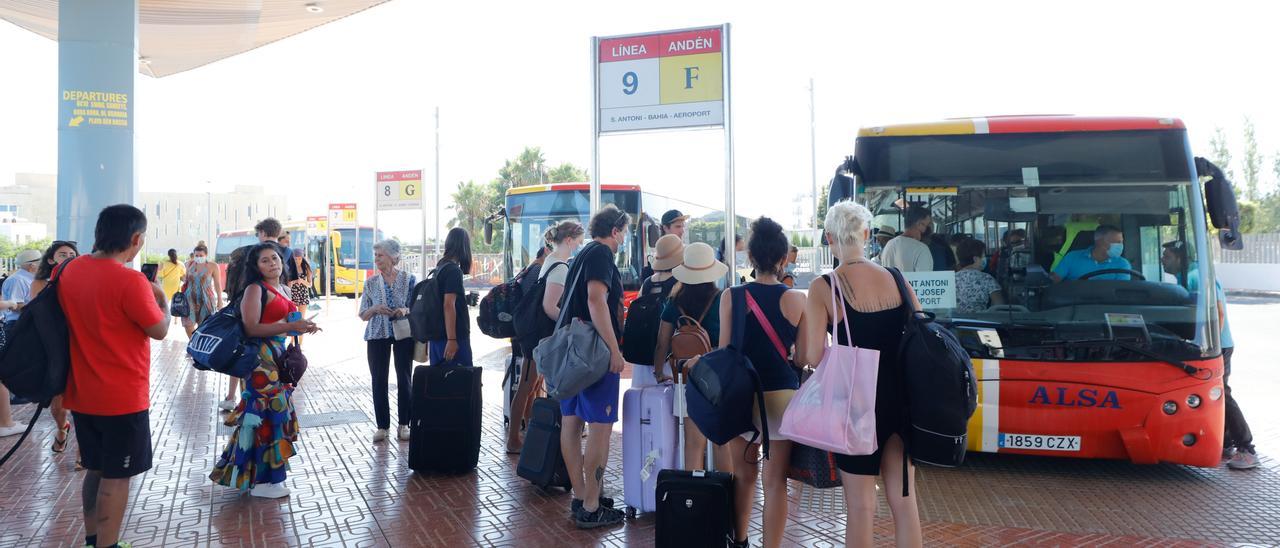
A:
{"x": 700, "y": 265}
{"x": 669, "y": 252}
{"x": 28, "y": 256}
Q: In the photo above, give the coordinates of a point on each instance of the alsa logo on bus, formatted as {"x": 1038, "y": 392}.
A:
{"x": 1084, "y": 397}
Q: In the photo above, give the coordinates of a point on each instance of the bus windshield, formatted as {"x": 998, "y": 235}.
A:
{"x": 347, "y": 250}
{"x": 529, "y": 215}
{"x": 1088, "y": 262}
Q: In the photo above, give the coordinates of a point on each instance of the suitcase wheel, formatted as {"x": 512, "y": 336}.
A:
{"x": 631, "y": 512}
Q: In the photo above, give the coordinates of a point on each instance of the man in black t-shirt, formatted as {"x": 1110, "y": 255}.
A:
{"x": 595, "y": 297}
{"x": 267, "y": 230}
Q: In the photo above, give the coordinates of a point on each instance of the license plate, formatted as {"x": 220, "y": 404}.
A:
{"x": 1039, "y": 442}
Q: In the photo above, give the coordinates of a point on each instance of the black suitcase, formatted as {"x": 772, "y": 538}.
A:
{"x": 540, "y": 459}
{"x": 695, "y": 509}
{"x": 445, "y": 431}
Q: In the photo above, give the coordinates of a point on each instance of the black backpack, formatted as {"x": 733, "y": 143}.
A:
{"x": 941, "y": 391}
{"x": 35, "y": 362}
{"x": 426, "y": 314}
{"x": 640, "y": 334}
{"x": 497, "y": 308}
{"x": 531, "y": 322}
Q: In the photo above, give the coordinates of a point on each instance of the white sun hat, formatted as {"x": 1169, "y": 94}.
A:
{"x": 700, "y": 265}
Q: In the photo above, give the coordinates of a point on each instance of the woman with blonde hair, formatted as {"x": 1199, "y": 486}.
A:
{"x": 875, "y": 313}
{"x": 564, "y": 238}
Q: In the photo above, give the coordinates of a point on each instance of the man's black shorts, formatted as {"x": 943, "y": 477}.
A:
{"x": 117, "y": 446}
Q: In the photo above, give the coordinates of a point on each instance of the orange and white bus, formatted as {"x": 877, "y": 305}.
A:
{"x": 1122, "y": 363}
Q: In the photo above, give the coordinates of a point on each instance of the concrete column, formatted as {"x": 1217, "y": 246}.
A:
{"x": 97, "y": 61}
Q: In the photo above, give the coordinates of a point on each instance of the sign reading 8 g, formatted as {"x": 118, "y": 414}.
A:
{"x": 399, "y": 190}
{"x": 661, "y": 80}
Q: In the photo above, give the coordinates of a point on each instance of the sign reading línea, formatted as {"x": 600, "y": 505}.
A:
{"x": 661, "y": 80}
{"x": 399, "y": 190}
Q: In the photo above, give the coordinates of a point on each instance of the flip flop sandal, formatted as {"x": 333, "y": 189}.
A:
{"x": 60, "y": 446}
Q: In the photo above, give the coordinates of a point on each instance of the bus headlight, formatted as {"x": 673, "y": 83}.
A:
{"x": 1193, "y": 401}
{"x": 1170, "y": 407}
{"x": 1215, "y": 393}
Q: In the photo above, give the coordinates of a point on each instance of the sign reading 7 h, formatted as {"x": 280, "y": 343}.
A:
{"x": 661, "y": 80}
{"x": 399, "y": 190}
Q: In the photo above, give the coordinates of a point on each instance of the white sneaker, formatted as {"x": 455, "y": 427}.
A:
{"x": 17, "y": 428}
{"x": 380, "y": 435}
{"x": 227, "y": 405}
{"x": 403, "y": 433}
{"x": 270, "y": 490}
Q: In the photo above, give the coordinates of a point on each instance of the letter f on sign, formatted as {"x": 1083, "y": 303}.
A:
{"x": 690, "y": 74}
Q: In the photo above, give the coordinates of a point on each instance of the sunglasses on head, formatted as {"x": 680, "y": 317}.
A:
{"x": 60, "y": 243}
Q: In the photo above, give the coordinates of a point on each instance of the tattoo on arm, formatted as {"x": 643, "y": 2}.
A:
{"x": 599, "y": 474}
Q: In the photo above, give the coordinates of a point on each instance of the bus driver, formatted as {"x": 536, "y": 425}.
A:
{"x": 1106, "y": 254}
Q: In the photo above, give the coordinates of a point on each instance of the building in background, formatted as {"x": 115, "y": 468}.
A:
{"x": 31, "y": 199}
{"x": 180, "y": 219}
{"x": 28, "y": 212}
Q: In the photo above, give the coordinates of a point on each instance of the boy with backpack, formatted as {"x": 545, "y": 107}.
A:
{"x": 108, "y": 385}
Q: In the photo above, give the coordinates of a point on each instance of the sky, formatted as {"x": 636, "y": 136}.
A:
{"x": 316, "y": 115}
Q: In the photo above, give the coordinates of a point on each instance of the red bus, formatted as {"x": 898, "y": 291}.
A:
{"x": 1122, "y": 363}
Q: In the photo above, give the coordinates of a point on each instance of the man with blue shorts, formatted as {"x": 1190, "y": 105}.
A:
{"x": 596, "y": 297}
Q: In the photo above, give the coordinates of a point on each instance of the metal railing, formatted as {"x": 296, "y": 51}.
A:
{"x": 1258, "y": 249}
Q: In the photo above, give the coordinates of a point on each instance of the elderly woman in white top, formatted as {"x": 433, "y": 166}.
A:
{"x": 385, "y": 306}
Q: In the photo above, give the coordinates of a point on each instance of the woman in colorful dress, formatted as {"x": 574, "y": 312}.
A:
{"x": 204, "y": 289}
{"x": 256, "y": 458}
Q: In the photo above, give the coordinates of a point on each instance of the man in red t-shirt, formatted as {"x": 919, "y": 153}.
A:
{"x": 112, "y": 312}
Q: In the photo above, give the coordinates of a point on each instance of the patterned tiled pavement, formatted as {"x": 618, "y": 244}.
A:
{"x": 348, "y": 491}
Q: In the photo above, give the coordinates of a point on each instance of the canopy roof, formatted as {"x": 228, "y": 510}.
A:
{"x": 179, "y": 35}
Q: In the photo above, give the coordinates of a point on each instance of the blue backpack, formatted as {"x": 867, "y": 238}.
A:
{"x": 725, "y": 385}
{"x": 220, "y": 343}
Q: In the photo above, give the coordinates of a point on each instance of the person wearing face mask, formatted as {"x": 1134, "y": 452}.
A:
{"x": 975, "y": 290}
{"x": 1013, "y": 239}
{"x": 1107, "y": 253}
{"x": 204, "y": 290}
{"x": 909, "y": 251}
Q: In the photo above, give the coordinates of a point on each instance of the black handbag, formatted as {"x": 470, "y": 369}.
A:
{"x": 293, "y": 364}
{"x": 812, "y": 466}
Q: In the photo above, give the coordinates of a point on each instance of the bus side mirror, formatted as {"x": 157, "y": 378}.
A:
{"x": 1220, "y": 203}
{"x": 488, "y": 232}
{"x": 652, "y": 234}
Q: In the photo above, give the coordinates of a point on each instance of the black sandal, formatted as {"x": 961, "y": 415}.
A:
{"x": 60, "y": 446}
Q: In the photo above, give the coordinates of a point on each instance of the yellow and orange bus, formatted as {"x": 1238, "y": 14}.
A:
{"x": 347, "y": 275}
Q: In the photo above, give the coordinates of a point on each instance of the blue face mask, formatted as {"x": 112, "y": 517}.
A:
{"x": 791, "y": 268}
{"x": 1115, "y": 251}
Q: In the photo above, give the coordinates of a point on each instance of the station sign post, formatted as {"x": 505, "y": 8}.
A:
{"x": 665, "y": 80}
{"x": 342, "y": 216}
{"x": 402, "y": 191}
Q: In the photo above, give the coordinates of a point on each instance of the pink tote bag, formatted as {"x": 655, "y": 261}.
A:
{"x": 835, "y": 409}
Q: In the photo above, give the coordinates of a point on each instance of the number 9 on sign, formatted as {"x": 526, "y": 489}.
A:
{"x": 630, "y": 83}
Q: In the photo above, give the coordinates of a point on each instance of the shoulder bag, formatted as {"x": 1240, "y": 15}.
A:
{"x": 835, "y": 410}
{"x": 574, "y": 357}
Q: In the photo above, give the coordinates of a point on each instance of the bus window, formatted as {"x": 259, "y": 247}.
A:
{"x": 1060, "y": 225}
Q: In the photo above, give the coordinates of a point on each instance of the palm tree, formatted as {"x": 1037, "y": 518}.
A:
{"x": 472, "y": 203}
{"x": 528, "y": 168}
{"x": 566, "y": 173}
